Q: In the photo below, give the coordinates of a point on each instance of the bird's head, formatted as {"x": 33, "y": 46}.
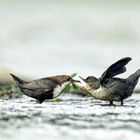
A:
{"x": 61, "y": 79}
{"x": 92, "y": 81}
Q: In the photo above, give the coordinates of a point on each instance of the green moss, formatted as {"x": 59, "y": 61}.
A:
{"x": 137, "y": 90}
{"x": 55, "y": 100}
{"x": 9, "y": 91}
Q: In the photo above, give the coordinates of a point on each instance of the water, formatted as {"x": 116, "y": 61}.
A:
{"x": 75, "y": 117}
{"x": 43, "y": 38}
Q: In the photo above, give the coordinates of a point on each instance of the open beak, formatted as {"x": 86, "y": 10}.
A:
{"x": 75, "y": 81}
{"x": 83, "y": 79}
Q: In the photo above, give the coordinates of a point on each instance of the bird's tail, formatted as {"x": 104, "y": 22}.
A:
{"x": 18, "y": 80}
{"x": 134, "y": 77}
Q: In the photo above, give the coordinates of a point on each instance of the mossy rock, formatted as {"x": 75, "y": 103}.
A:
{"x": 9, "y": 91}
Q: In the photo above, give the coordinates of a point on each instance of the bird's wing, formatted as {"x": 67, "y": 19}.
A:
{"x": 45, "y": 85}
{"x": 115, "y": 69}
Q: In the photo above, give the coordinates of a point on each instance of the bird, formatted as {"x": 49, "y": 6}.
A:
{"x": 110, "y": 88}
{"x": 44, "y": 88}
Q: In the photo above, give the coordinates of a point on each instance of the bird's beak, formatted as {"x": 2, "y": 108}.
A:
{"x": 75, "y": 81}
{"x": 83, "y": 79}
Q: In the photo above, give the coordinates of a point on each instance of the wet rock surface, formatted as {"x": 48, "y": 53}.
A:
{"x": 74, "y": 117}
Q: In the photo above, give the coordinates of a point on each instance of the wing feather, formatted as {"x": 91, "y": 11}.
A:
{"x": 44, "y": 84}
{"x": 115, "y": 69}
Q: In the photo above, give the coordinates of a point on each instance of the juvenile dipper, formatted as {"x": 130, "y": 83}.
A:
{"x": 109, "y": 88}
{"x": 44, "y": 88}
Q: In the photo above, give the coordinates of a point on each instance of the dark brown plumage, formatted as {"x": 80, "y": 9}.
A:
{"x": 44, "y": 88}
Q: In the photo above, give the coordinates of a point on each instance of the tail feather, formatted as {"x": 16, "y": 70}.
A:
{"x": 138, "y": 72}
{"x": 18, "y": 80}
{"x": 135, "y": 76}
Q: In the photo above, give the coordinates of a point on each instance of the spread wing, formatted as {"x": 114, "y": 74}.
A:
{"x": 40, "y": 85}
{"x": 115, "y": 69}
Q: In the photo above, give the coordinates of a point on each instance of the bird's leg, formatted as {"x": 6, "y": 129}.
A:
{"x": 111, "y": 102}
{"x": 38, "y": 101}
{"x": 121, "y": 102}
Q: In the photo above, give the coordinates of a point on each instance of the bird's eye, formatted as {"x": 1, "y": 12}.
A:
{"x": 68, "y": 78}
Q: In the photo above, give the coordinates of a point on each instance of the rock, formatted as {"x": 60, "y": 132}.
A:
{"x": 8, "y": 88}
{"x": 9, "y": 91}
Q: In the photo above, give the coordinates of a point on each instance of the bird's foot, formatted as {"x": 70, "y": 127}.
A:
{"x": 111, "y": 103}
{"x": 121, "y": 103}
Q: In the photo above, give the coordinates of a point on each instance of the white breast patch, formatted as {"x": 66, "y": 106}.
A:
{"x": 57, "y": 91}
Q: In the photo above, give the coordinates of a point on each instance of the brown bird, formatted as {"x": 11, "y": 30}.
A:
{"x": 44, "y": 88}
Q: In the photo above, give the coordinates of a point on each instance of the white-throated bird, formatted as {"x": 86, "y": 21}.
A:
{"x": 44, "y": 88}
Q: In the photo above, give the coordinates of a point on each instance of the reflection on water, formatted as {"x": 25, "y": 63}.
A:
{"x": 75, "y": 117}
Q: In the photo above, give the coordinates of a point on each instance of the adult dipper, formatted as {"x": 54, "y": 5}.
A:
{"x": 110, "y": 88}
{"x": 44, "y": 88}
